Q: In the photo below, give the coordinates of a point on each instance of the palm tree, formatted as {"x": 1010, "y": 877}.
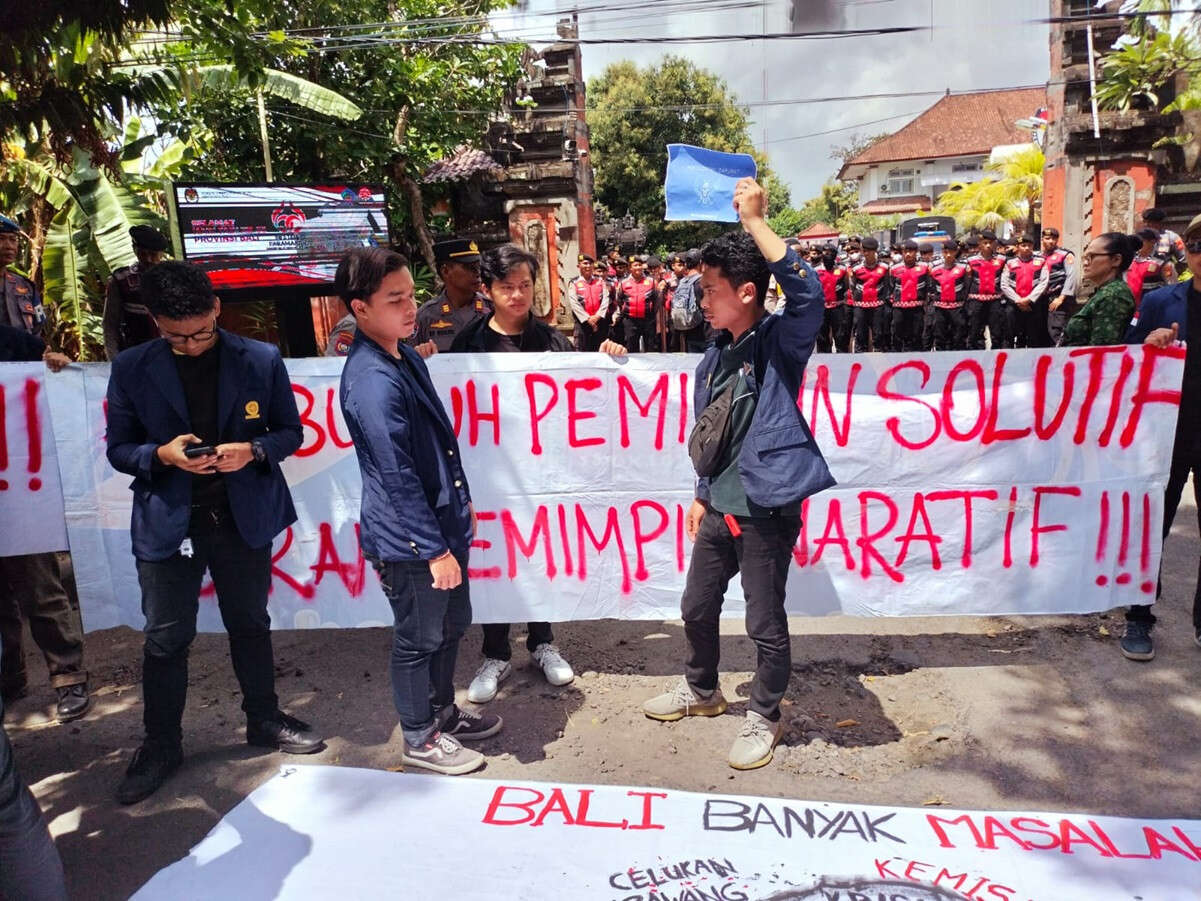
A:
{"x": 1021, "y": 180}
{"x": 983, "y": 204}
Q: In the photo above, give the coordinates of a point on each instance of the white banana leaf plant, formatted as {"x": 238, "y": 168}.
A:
{"x": 93, "y": 207}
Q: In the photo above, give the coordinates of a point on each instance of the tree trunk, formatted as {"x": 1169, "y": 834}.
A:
{"x": 425, "y": 238}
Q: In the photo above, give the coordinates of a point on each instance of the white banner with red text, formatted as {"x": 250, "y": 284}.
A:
{"x": 969, "y": 484}
{"x": 321, "y": 832}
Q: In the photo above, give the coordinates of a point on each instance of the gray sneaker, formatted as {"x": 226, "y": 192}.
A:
{"x": 682, "y": 701}
{"x": 442, "y": 754}
{"x": 464, "y": 725}
{"x": 756, "y": 739}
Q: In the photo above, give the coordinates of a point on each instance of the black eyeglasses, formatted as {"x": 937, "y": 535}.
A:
{"x": 1193, "y": 246}
{"x": 203, "y": 335}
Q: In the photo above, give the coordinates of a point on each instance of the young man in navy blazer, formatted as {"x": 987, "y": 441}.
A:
{"x": 747, "y": 516}
{"x": 416, "y": 521}
{"x": 204, "y": 388}
{"x": 1163, "y": 319}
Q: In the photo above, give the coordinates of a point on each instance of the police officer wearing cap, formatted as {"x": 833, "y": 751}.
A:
{"x": 638, "y": 303}
{"x": 34, "y": 587}
{"x": 127, "y": 322}
{"x": 459, "y": 303}
{"x": 1062, "y": 279}
{"x": 22, "y": 306}
{"x": 588, "y": 298}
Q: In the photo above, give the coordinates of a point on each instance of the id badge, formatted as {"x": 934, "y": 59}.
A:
{"x": 186, "y": 549}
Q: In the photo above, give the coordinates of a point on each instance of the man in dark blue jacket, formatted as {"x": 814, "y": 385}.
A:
{"x": 416, "y": 520}
{"x": 1163, "y": 319}
{"x": 202, "y": 418}
{"x": 746, "y": 517}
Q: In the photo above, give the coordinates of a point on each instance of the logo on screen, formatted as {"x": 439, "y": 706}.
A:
{"x": 364, "y": 193}
{"x": 191, "y": 195}
{"x": 348, "y": 195}
{"x": 288, "y": 218}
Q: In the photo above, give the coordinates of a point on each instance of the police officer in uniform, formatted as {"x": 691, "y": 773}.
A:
{"x": 588, "y": 298}
{"x": 871, "y": 285}
{"x": 459, "y": 303}
{"x": 987, "y": 307}
{"x": 638, "y": 304}
{"x": 127, "y": 322}
{"x": 34, "y": 587}
{"x": 1062, "y": 279}
{"x": 911, "y": 288}
{"x": 836, "y": 323}
{"x": 1024, "y": 282}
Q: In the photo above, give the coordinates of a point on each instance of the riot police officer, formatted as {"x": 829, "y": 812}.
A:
{"x": 127, "y": 322}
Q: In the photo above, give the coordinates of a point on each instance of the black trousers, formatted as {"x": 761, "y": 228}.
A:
{"x": 907, "y": 328}
{"x": 997, "y": 317}
{"x": 871, "y": 328}
{"x": 762, "y": 554}
{"x": 36, "y": 587}
{"x": 1057, "y": 320}
{"x": 1177, "y": 477}
{"x": 496, "y": 639}
{"x": 1030, "y": 326}
{"x": 928, "y": 321}
{"x": 836, "y": 330}
{"x": 640, "y": 335}
{"x": 170, "y": 599}
{"x": 950, "y": 329}
{"x": 588, "y": 338}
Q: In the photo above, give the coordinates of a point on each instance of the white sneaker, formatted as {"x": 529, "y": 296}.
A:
{"x": 755, "y": 742}
{"x": 557, "y": 670}
{"x": 487, "y": 680}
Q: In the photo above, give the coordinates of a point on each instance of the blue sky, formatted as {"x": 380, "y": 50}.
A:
{"x": 975, "y": 44}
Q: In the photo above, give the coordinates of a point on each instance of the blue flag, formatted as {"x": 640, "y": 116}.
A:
{"x": 700, "y": 183}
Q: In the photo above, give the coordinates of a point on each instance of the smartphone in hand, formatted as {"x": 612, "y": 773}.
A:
{"x": 199, "y": 450}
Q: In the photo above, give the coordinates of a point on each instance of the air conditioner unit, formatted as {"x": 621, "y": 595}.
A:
{"x": 883, "y": 189}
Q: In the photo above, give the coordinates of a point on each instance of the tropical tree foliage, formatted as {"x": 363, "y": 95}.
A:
{"x": 983, "y": 204}
{"x": 635, "y": 113}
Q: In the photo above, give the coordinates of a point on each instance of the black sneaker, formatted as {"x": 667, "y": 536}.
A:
{"x": 73, "y": 702}
{"x": 1136, "y": 643}
{"x": 467, "y": 726}
{"x": 151, "y": 765}
{"x": 284, "y": 733}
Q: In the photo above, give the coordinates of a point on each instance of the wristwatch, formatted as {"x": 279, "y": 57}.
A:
{"x": 258, "y": 451}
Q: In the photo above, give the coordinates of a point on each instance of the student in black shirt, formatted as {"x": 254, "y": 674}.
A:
{"x": 509, "y": 274}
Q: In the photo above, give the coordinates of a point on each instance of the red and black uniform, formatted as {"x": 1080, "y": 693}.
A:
{"x": 986, "y": 305}
{"x": 639, "y": 300}
{"x": 1025, "y": 282}
{"x": 588, "y": 298}
{"x": 911, "y": 286}
{"x": 871, "y": 287}
{"x": 1144, "y": 273}
{"x": 836, "y": 325}
{"x": 1061, "y": 282}
{"x": 950, "y": 295}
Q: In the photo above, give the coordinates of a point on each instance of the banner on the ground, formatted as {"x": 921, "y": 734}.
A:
{"x": 318, "y": 832}
{"x": 990, "y": 483}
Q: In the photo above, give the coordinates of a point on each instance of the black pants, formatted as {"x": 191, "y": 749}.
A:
{"x": 836, "y": 330}
{"x": 907, "y": 328}
{"x": 997, "y": 317}
{"x": 170, "y": 598}
{"x": 950, "y": 329}
{"x": 496, "y": 639}
{"x": 1177, "y": 476}
{"x": 640, "y": 335}
{"x": 1030, "y": 326}
{"x": 30, "y": 867}
{"x": 588, "y": 338}
{"x": 762, "y": 554}
{"x": 36, "y": 587}
{"x": 928, "y": 320}
{"x": 1057, "y": 320}
{"x": 428, "y": 624}
{"x": 871, "y": 328}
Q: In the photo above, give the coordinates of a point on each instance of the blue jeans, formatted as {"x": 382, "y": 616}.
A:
{"x": 429, "y": 622}
{"x": 170, "y": 599}
{"x": 29, "y": 863}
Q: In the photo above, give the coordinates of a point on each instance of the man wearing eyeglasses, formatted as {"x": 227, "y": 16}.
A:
{"x": 1163, "y": 319}
{"x": 202, "y": 419}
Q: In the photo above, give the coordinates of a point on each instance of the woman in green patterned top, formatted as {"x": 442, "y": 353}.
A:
{"x": 1107, "y": 314}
